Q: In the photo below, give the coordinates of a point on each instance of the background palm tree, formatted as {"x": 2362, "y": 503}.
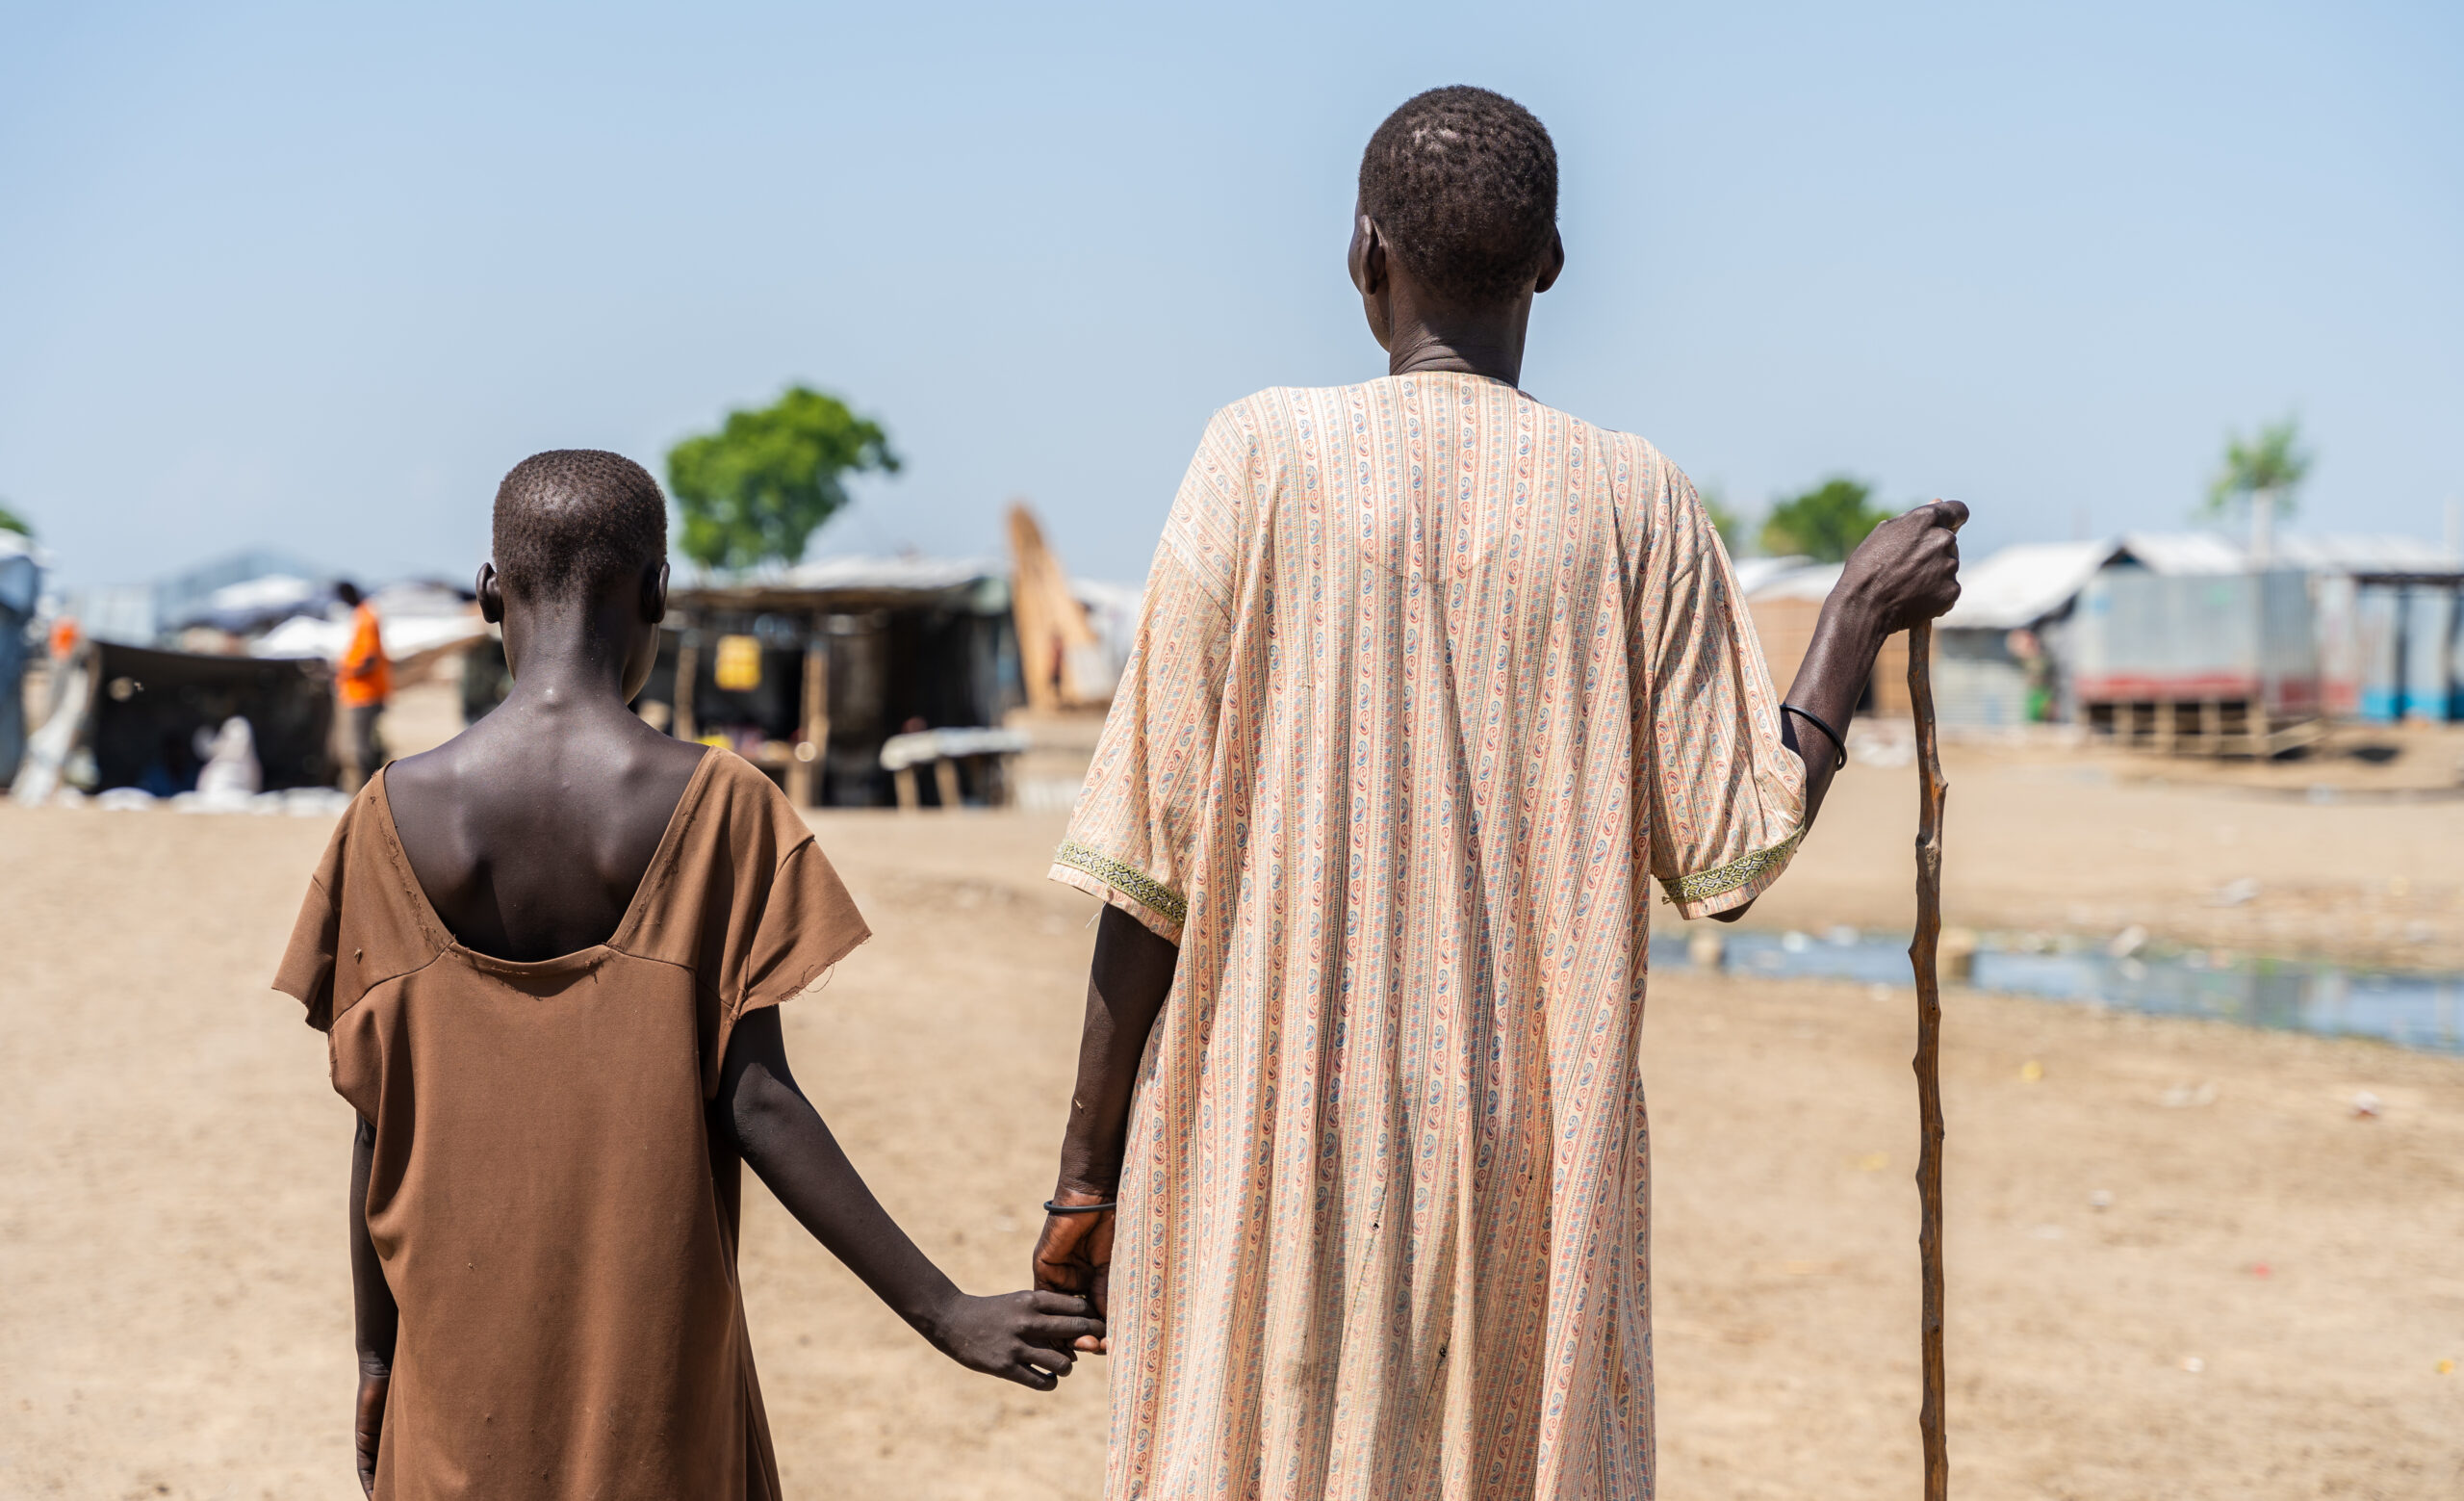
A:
{"x": 2262, "y": 473}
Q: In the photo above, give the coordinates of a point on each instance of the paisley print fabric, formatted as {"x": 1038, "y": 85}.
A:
{"x": 1433, "y": 683}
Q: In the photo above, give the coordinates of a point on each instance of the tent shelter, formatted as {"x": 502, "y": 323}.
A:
{"x": 131, "y": 716}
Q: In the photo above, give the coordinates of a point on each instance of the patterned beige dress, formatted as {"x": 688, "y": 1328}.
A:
{"x": 1431, "y": 680}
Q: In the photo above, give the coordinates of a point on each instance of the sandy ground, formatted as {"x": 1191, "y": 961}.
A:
{"x": 173, "y": 1304}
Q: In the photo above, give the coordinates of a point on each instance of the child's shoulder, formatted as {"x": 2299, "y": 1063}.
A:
{"x": 747, "y": 788}
{"x": 764, "y": 912}
{"x": 740, "y": 817}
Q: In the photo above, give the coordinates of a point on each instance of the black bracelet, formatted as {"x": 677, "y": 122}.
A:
{"x": 1836, "y": 744}
{"x": 1050, "y": 1207}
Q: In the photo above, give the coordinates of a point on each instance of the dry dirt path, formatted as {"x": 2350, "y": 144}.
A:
{"x": 174, "y": 1305}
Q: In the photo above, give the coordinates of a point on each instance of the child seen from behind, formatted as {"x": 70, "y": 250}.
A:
{"x": 547, "y": 956}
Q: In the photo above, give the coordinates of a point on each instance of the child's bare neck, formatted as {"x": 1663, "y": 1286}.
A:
{"x": 531, "y": 830}
{"x": 570, "y": 651}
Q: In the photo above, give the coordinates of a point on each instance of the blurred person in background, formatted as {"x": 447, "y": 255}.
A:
{"x": 65, "y": 638}
{"x": 366, "y": 681}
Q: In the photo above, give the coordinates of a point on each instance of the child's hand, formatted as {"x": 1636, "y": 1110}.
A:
{"x": 1019, "y": 1336}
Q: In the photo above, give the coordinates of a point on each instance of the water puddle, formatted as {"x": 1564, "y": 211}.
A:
{"x": 2412, "y": 1010}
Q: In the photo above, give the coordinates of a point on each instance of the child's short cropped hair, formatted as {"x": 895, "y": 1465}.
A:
{"x": 572, "y": 522}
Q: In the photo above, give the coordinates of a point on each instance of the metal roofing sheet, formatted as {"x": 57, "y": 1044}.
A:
{"x": 1798, "y": 581}
{"x": 2186, "y": 551}
{"x": 2364, "y": 553}
{"x": 1753, "y": 574}
{"x": 913, "y": 573}
{"x": 2021, "y": 586}
{"x": 893, "y": 573}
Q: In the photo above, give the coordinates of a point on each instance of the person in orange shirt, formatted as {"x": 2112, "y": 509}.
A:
{"x": 365, "y": 683}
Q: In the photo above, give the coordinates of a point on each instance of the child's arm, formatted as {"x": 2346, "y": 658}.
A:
{"x": 372, "y": 1313}
{"x": 1023, "y": 1337}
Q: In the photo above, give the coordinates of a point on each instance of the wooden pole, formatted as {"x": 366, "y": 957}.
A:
{"x": 688, "y": 655}
{"x": 812, "y": 734}
{"x": 1923, "y": 953}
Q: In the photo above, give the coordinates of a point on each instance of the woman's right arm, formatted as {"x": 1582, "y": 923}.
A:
{"x": 1905, "y": 571}
{"x": 1126, "y": 985}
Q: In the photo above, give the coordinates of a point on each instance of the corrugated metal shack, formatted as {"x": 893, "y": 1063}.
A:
{"x": 806, "y": 675}
{"x": 2213, "y": 665}
{"x": 2391, "y": 625}
{"x": 2183, "y": 640}
{"x": 1997, "y": 664}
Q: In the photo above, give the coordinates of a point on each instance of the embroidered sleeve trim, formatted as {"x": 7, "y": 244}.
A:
{"x": 1704, "y": 885}
{"x": 1128, "y": 880}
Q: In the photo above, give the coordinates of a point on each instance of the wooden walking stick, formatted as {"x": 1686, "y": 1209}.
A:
{"x": 1922, "y": 953}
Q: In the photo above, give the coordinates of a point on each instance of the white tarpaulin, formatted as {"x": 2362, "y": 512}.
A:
{"x": 405, "y": 637}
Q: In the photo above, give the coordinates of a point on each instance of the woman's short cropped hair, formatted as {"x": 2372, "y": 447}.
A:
{"x": 1463, "y": 184}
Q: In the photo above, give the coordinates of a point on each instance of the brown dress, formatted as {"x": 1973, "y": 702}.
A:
{"x": 556, "y": 1221}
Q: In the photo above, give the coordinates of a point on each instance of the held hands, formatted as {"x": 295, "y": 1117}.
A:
{"x": 1907, "y": 570}
{"x": 1020, "y": 1336}
{"x": 1075, "y": 1255}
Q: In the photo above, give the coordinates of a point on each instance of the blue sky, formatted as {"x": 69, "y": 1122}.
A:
{"x": 317, "y": 275}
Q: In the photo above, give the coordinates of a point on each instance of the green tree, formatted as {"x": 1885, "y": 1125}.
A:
{"x": 758, "y": 489}
{"x": 2262, "y": 473}
{"x": 10, "y": 521}
{"x": 1826, "y": 523}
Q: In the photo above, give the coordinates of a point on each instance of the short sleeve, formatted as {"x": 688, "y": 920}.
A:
{"x": 789, "y": 924}
{"x": 307, "y": 971}
{"x": 1727, "y": 794}
{"x": 807, "y": 924}
{"x": 1134, "y": 840}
